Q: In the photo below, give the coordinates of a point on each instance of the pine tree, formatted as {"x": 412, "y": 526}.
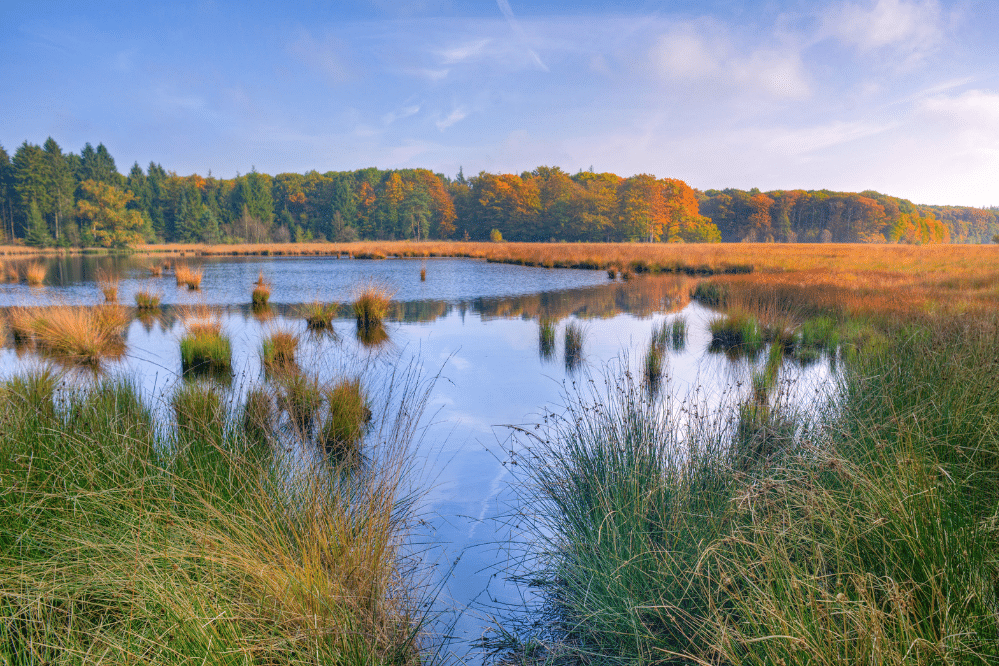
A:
{"x": 37, "y": 231}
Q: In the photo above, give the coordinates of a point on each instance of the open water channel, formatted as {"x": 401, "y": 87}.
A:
{"x": 473, "y": 325}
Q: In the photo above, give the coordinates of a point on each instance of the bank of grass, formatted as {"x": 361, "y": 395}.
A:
{"x": 124, "y": 542}
{"x": 146, "y": 301}
{"x": 864, "y": 533}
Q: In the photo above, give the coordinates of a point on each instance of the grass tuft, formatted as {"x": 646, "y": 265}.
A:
{"x": 546, "y": 336}
{"x": 278, "y": 352}
{"x": 204, "y": 348}
{"x": 261, "y": 292}
{"x": 189, "y": 277}
{"x": 34, "y": 273}
{"x": 145, "y": 300}
{"x": 318, "y": 316}
{"x": 108, "y": 283}
{"x": 371, "y": 304}
{"x": 347, "y": 417}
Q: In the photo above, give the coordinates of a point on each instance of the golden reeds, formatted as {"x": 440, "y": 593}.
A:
{"x": 189, "y": 277}
{"x": 81, "y": 334}
{"x": 261, "y": 292}
{"x": 107, "y": 282}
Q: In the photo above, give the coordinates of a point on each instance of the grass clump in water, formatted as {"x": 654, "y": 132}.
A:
{"x": 710, "y": 293}
{"x": 371, "y": 305}
{"x": 204, "y": 347}
{"x": 188, "y": 277}
{"x": 146, "y": 300}
{"x": 301, "y": 397}
{"x": 678, "y": 333}
{"x": 347, "y": 417}
{"x": 261, "y": 293}
{"x": 737, "y": 332}
{"x": 318, "y": 316}
{"x": 258, "y": 415}
{"x": 108, "y": 283}
{"x": 279, "y": 349}
{"x": 86, "y": 335}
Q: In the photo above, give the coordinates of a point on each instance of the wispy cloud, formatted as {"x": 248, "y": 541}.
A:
{"x": 400, "y": 113}
{"x": 504, "y": 6}
{"x": 464, "y": 52}
{"x": 910, "y": 26}
{"x": 455, "y": 116}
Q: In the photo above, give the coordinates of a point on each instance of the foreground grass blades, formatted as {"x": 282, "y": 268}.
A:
{"x": 121, "y": 543}
{"x": 870, "y": 537}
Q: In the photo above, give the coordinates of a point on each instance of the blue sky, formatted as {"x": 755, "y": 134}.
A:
{"x": 900, "y": 96}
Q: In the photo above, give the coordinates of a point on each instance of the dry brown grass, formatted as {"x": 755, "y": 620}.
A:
{"x": 35, "y": 272}
{"x": 187, "y": 276}
{"x": 81, "y": 334}
{"x": 201, "y": 320}
{"x": 108, "y": 283}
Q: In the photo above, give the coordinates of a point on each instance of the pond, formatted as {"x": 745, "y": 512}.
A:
{"x": 471, "y": 324}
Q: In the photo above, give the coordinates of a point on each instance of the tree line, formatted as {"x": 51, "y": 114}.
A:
{"x": 53, "y": 198}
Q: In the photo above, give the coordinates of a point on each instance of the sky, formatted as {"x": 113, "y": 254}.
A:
{"x": 898, "y": 96}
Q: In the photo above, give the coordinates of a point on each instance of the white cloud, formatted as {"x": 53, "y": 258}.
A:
{"x": 464, "y": 52}
{"x": 909, "y": 25}
{"x": 704, "y": 53}
{"x": 455, "y": 116}
{"x": 399, "y": 114}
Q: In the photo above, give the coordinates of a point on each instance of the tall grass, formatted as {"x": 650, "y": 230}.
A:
{"x": 347, "y": 417}
{"x": 123, "y": 543}
{"x": 318, "y": 316}
{"x": 204, "y": 347}
{"x": 278, "y": 350}
{"x": 146, "y": 300}
{"x": 866, "y": 534}
{"x": 371, "y": 304}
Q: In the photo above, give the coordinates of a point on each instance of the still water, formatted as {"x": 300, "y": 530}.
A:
{"x": 472, "y": 328}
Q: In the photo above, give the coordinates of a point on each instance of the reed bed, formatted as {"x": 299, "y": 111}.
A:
{"x": 35, "y": 272}
{"x": 163, "y": 546}
{"x": 188, "y": 276}
{"x": 108, "y": 283}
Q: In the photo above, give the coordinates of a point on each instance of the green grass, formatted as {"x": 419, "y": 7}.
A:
{"x": 206, "y": 351}
{"x": 145, "y": 300}
{"x": 573, "y": 345}
{"x": 125, "y": 543}
{"x": 346, "y": 420}
{"x": 710, "y": 293}
{"x": 278, "y": 350}
{"x": 301, "y": 397}
{"x": 865, "y": 533}
{"x": 546, "y": 337}
{"x": 737, "y": 332}
{"x": 371, "y": 305}
{"x": 318, "y": 316}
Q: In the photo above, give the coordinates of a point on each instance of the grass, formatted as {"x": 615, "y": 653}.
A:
{"x": 678, "y": 333}
{"x": 738, "y": 332}
{"x": 199, "y": 410}
{"x": 123, "y": 542}
{"x": 371, "y": 304}
{"x": 318, "y": 316}
{"x": 259, "y": 416}
{"x": 573, "y": 345}
{"x": 108, "y": 283}
{"x": 751, "y": 534}
{"x": 653, "y": 364}
{"x": 346, "y": 420}
{"x": 546, "y": 336}
{"x": 301, "y": 397}
{"x": 278, "y": 351}
{"x": 423, "y": 275}
{"x": 204, "y": 347}
{"x": 146, "y": 300}
{"x": 34, "y": 273}
{"x": 261, "y": 293}
{"x": 189, "y": 277}
{"x": 86, "y": 335}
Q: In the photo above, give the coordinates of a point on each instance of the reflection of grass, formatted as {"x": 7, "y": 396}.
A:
{"x": 678, "y": 333}
{"x": 546, "y": 336}
{"x": 573, "y": 344}
{"x": 34, "y": 273}
{"x": 181, "y": 543}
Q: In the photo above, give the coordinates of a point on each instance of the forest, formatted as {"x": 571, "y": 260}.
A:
{"x": 52, "y": 198}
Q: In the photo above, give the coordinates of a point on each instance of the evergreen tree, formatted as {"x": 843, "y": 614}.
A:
{"x": 61, "y": 184}
{"x": 37, "y": 231}
{"x": 6, "y": 195}
{"x": 99, "y": 166}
